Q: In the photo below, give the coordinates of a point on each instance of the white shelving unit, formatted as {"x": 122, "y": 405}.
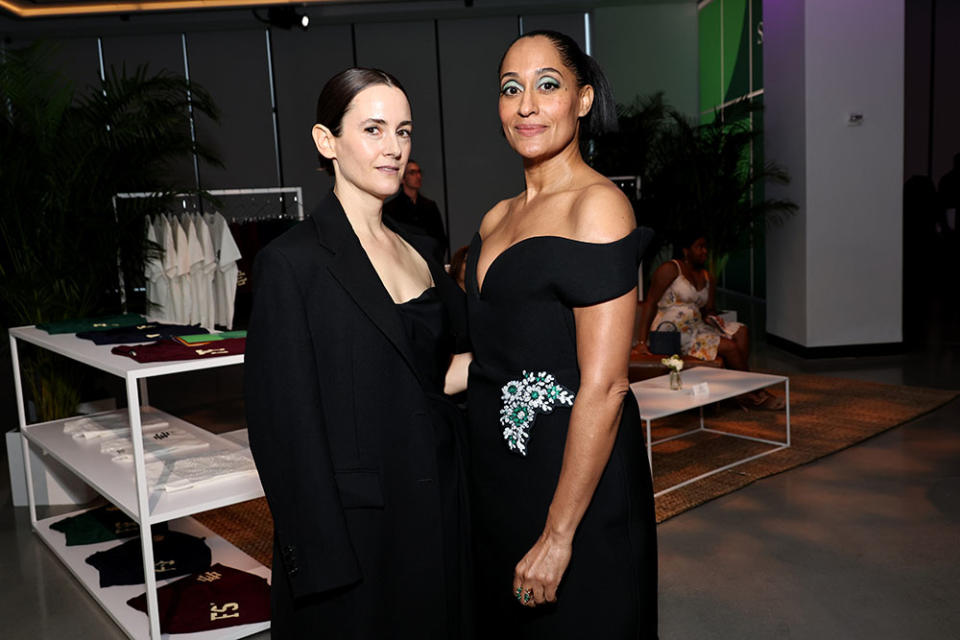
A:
{"x": 126, "y": 485}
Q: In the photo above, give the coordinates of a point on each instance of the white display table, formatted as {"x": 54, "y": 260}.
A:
{"x": 657, "y": 401}
{"x": 126, "y": 486}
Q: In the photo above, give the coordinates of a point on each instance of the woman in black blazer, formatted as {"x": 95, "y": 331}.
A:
{"x": 357, "y": 445}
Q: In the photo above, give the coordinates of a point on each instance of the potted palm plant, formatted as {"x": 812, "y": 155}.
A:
{"x": 693, "y": 175}
{"x": 64, "y": 154}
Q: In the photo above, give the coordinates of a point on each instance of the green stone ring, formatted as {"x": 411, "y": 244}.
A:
{"x": 527, "y": 595}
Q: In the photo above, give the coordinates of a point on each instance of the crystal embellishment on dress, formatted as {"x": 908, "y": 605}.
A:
{"x": 523, "y": 399}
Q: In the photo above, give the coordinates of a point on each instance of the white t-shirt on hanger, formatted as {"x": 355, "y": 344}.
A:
{"x": 154, "y": 279}
{"x": 183, "y": 269}
{"x": 195, "y": 249}
{"x": 163, "y": 290}
{"x": 225, "y": 278}
{"x": 208, "y": 315}
{"x": 171, "y": 269}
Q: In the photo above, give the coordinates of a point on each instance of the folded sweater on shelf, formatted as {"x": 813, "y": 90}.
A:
{"x": 92, "y": 324}
{"x": 108, "y": 425}
{"x": 146, "y": 332}
{"x": 214, "y": 598}
{"x": 174, "y": 554}
{"x": 157, "y": 444}
{"x": 169, "y": 350}
{"x": 185, "y": 473}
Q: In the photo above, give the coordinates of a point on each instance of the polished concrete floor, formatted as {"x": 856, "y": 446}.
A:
{"x": 863, "y": 544}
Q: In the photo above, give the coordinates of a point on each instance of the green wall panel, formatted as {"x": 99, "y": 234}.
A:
{"x": 711, "y": 89}
{"x": 736, "y": 49}
{"x": 756, "y": 43}
{"x": 731, "y": 67}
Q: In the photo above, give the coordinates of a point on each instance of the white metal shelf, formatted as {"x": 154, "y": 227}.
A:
{"x": 100, "y": 357}
{"x": 114, "y": 599}
{"x": 124, "y": 485}
{"x": 114, "y": 480}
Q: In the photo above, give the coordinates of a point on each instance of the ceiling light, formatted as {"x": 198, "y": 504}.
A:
{"x": 286, "y": 17}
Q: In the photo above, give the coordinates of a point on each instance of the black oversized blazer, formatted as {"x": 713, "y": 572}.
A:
{"x": 339, "y": 428}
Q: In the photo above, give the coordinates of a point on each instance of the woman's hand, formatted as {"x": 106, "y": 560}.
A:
{"x": 455, "y": 380}
{"x": 540, "y": 571}
{"x": 717, "y": 321}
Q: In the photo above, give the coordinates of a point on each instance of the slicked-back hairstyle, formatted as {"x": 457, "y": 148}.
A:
{"x": 602, "y": 116}
{"x": 339, "y": 92}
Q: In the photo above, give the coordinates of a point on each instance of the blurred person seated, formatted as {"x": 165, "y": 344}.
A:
{"x": 683, "y": 293}
{"x": 458, "y": 266}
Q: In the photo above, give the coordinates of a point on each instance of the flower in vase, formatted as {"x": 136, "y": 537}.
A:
{"x": 674, "y": 363}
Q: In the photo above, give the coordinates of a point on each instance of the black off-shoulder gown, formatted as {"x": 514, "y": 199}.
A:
{"x": 523, "y": 381}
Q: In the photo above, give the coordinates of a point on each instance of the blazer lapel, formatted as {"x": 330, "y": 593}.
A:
{"x": 351, "y": 267}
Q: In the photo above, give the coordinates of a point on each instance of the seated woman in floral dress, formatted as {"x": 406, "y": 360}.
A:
{"x": 682, "y": 293}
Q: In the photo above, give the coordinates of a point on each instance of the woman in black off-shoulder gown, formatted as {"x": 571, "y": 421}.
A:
{"x": 538, "y": 298}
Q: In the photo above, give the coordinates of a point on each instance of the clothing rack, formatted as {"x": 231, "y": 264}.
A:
{"x": 297, "y": 193}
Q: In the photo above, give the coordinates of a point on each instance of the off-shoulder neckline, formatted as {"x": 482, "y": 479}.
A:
{"x": 476, "y": 261}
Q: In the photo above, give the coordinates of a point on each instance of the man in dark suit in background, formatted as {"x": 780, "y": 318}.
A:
{"x": 413, "y": 212}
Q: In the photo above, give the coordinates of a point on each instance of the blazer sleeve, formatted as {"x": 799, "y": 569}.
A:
{"x": 288, "y": 439}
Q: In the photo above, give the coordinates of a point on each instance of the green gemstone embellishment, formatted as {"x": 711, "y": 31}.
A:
{"x": 524, "y": 399}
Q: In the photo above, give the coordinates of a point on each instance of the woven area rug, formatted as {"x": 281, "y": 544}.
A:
{"x": 827, "y": 415}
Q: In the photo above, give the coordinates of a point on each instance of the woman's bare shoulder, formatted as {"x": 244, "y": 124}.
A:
{"x": 492, "y": 218}
{"x": 601, "y": 213}
{"x": 666, "y": 272}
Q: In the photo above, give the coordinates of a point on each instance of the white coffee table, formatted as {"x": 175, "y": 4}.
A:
{"x": 657, "y": 400}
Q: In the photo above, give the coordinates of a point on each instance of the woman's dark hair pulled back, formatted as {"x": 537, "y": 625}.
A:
{"x": 603, "y": 114}
{"x": 339, "y": 92}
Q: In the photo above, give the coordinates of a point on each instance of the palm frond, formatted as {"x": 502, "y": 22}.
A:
{"x": 63, "y": 156}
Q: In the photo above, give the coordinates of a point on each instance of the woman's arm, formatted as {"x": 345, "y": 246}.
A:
{"x": 457, "y": 373}
{"x": 709, "y": 312}
{"x": 604, "y": 332}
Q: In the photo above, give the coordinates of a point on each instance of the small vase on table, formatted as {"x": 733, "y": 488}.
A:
{"x": 675, "y": 382}
{"x": 675, "y": 364}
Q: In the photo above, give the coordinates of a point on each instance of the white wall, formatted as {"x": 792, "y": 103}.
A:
{"x": 784, "y": 139}
{"x": 847, "y": 179}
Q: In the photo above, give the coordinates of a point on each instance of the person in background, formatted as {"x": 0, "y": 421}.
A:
{"x": 458, "y": 265}
{"x": 683, "y": 293}
{"x": 412, "y": 212}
